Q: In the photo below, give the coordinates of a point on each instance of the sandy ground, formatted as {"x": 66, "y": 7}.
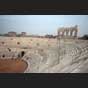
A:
{"x": 12, "y": 66}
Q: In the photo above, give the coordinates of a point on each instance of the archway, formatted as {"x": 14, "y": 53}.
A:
{"x": 73, "y": 33}
{"x": 22, "y": 53}
{"x": 3, "y": 55}
{"x": 67, "y": 32}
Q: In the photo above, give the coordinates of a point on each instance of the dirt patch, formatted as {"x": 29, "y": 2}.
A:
{"x": 12, "y": 66}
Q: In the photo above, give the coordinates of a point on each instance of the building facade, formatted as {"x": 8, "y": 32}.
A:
{"x": 12, "y": 34}
{"x": 23, "y": 34}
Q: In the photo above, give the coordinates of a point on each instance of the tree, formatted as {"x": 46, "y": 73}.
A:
{"x": 85, "y": 37}
{"x": 0, "y": 34}
{"x": 18, "y": 35}
{"x": 5, "y": 35}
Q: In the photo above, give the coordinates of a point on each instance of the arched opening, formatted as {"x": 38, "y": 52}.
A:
{"x": 67, "y": 32}
{"x": 3, "y": 55}
{"x": 22, "y": 53}
{"x": 73, "y": 33}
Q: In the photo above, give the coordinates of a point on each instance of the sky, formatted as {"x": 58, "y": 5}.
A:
{"x": 42, "y": 24}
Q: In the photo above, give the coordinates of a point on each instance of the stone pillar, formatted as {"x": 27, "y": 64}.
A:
{"x": 76, "y": 31}
{"x": 75, "y": 35}
{"x": 65, "y": 33}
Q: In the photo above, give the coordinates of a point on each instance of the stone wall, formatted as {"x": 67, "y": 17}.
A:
{"x": 68, "y": 32}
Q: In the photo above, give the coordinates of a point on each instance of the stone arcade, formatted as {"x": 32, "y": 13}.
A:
{"x": 68, "y": 32}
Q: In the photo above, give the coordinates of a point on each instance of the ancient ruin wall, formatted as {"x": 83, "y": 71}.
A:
{"x": 68, "y": 32}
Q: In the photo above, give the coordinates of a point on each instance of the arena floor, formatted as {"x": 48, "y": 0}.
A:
{"x": 12, "y": 66}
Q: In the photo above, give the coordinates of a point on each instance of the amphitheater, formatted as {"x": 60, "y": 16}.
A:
{"x": 43, "y": 55}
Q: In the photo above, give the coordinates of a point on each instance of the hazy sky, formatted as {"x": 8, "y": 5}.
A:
{"x": 42, "y": 24}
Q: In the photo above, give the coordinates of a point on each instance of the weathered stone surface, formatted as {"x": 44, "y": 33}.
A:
{"x": 71, "y": 57}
